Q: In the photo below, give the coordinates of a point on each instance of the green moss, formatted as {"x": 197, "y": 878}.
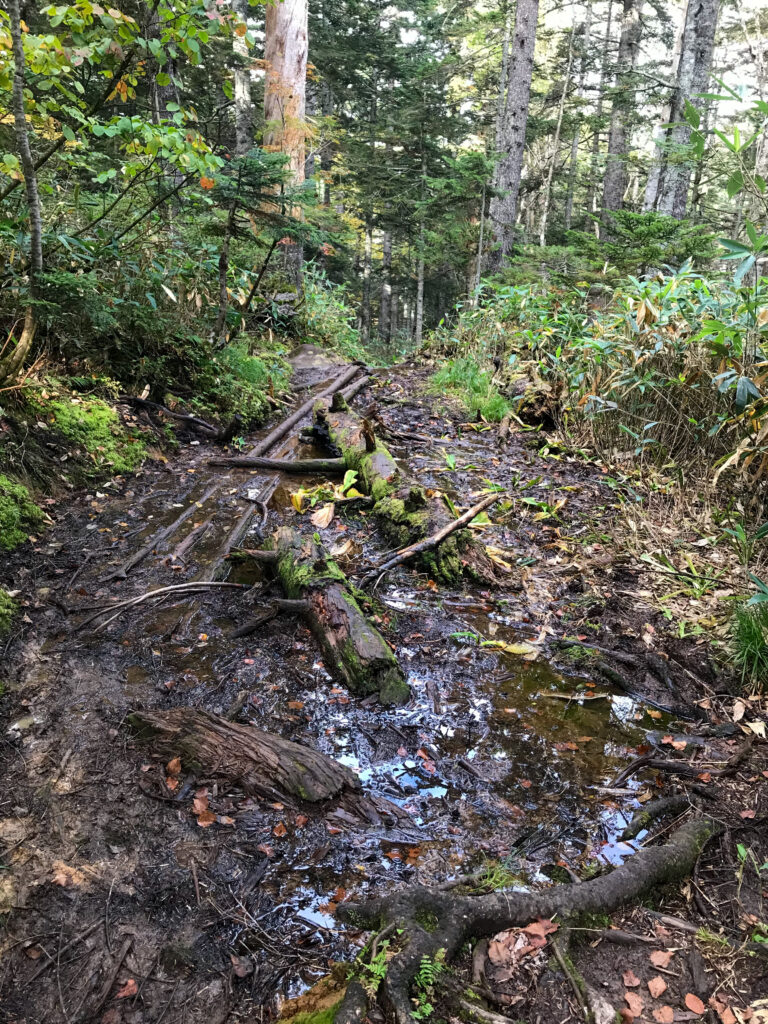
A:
{"x": 8, "y": 608}
{"x": 327, "y": 1016}
{"x": 94, "y": 426}
{"x": 18, "y": 514}
{"x": 427, "y": 920}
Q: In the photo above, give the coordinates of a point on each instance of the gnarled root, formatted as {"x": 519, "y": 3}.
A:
{"x": 432, "y": 920}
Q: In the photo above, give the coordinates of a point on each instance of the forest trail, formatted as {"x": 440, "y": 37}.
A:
{"x": 139, "y": 890}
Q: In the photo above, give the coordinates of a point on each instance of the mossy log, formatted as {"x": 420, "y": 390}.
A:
{"x": 406, "y": 512}
{"x": 355, "y": 652}
{"x": 258, "y": 761}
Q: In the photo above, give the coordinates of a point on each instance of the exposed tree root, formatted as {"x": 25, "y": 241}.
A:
{"x": 432, "y": 920}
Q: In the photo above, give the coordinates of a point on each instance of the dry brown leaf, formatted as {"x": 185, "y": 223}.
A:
{"x": 634, "y": 1002}
{"x": 126, "y": 991}
{"x": 694, "y": 1004}
{"x": 541, "y": 928}
{"x": 301, "y": 820}
{"x": 279, "y": 829}
{"x": 748, "y": 813}
{"x": 664, "y": 1015}
{"x": 174, "y": 766}
{"x": 323, "y": 516}
{"x": 630, "y": 979}
{"x": 661, "y": 957}
{"x": 657, "y": 986}
{"x": 65, "y": 875}
{"x": 205, "y": 819}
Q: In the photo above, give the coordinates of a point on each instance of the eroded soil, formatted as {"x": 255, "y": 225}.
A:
{"x": 122, "y": 901}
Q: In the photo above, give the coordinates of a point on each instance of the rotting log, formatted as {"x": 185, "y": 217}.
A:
{"x": 258, "y": 761}
{"x": 283, "y": 465}
{"x": 432, "y": 922}
{"x": 266, "y": 765}
{"x": 405, "y": 511}
{"x": 355, "y": 652}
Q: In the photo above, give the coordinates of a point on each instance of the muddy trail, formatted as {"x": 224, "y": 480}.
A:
{"x": 142, "y": 885}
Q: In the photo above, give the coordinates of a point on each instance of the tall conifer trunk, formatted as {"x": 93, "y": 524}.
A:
{"x": 25, "y": 151}
{"x": 594, "y": 178}
{"x": 573, "y": 166}
{"x": 619, "y": 138}
{"x": 511, "y": 140}
{"x": 668, "y": 183}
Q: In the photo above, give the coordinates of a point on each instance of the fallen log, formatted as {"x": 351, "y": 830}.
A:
{"x": 355, "y": 652}
{"x": 405, "y": 511}
{"x": 430, "y": 922}
{"x": 265, "y": 765}
{"x": 284, "y": 465}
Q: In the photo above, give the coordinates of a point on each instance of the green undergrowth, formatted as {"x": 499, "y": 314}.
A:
{"x": 19, "y": 515}
{"x": 8, "y": 608}
{"x": 473, "y": 386}
{"x": 326, "y": 1016}
{"x": 237, "y": 382}
{"x": 749, "y": 632}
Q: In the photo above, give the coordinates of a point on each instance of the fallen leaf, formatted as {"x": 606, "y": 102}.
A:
{"x": 758, "y": 728}
{"x": 542, "y": 927}
{"x": 664, "y": 1015}
{"x": 241, "y": 965}
{"x": 694, "y": 1004}
{"x": 661, "y": 957}
{"x": 525, "y": 783}
{"x": 679, "y": 744}
{"x": 634, "y": 1002}
{"x": 630, "y": 979}
{"x": 667, "y": 739}
{"x": 130, "y": 988}
{"x": 323, "y": 516}
{"x": 739, "y": 708}
{"x": 748, "y": 813}
{"x": 66, "y": 876}
{"x": 724, "y": 1012}
{"x": 265, "y": 849}
{"x": 704, "y": 777}
{"x": 657, "y": 986}
{"x": 653, "y": 713}
{"x": 301, "y": 820}
{"x": 279, "y": 829}
{"x": 172, "y": 783}
{"x": 205, "y": 819}
{"x": 174, "y": 766}
{"x": 295, "y": 705}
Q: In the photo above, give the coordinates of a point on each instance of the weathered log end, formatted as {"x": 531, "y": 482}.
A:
{"x": 377, "y": 470}
{"x": 355, "y": 652}
{"x": 259, "y": 762}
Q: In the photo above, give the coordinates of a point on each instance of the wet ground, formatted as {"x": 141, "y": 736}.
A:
{"x": 507, "y": 752}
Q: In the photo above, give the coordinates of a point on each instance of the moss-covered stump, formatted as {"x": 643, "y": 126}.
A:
{"x": 404, "y": 510}
{"x": 355, "y": 652}
{"x": 258, "y": 761}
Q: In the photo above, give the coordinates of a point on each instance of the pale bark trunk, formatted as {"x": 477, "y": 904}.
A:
{"x": 511, "y": 141}
{"x": 573, "y": 166}
{"x": 419, "y": 314}
{"x": 591, "y": 203}
{"x": 243, "y": 105}
{"x": 475, "y": 286}
{"x": 365, "y": 308}
{"x": 693, "y": 70}
{"x": 555, "y": 145}
{"x": 615, "y": 179}
{"x": 24, "y": 150}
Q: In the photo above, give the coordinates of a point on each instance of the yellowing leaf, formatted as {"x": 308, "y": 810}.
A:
{"x": 528, "y": 651}
{"x": 297, "y": 500}
{"x": 323, "y": 516}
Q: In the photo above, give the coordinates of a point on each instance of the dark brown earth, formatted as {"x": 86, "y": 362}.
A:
{"x": 136, "y": 890}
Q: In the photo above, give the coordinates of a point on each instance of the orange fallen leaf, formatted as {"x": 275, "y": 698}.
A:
{"x": 65, "y": 875}
{"x": 429, "y": 766}
{"x": 664, "y": 1015}
{"x": 130, "y": 988}
{"x": 205, "y": 819}
{"x": 748, "y": 813}
{"x": 634, "y": 1002}
{"x": 296, "y": 705}
{"x": 723, "y": 1010}
{"x": 174, "y": 766}
{"x": 667, "y": 739}
{"x": 332, "y": 830}
{"x": 704, "y": 777}
{"x": 224, "y": 819}
{"x": 653, "y": 713}
{"x": 525, "y": 783}
{"x": 279, "y": 829}
{"x": 172, "y": 783}
{"x": 661, "y": 957}
{"x": 542, "y": 927}
{"x": 657, "y": 986}
{"x": 301, "y": 820}
{"x": 630, "y": 979}
{"x": 265, "y": 849}
{"x": 694, "y": 1004}
{"x": 679, "y": 744}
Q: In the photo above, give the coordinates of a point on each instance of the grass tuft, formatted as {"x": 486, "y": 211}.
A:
{"x": 749, "y": 632}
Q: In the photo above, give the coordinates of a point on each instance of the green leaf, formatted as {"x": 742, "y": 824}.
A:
{"x": 745, "y": 390}
{"x": 735, "y": 184}
{"x": 163, "y": 79}
{"x": 692, "y": 115}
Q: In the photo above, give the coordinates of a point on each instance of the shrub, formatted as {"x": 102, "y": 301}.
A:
{"x": 18, "y": 514}
{"x": 749, "y": 632}
{"x": 473, "y": 386}
{"x": 326, "y": 318}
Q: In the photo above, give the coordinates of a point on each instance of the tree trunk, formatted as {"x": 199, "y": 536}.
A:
{"x": 385, "y": 319}
{"x": 669, "y": 194}
{"x": 24, "y": 150}
{"x": 573, "y": 164}
{"x": 622, "y": 111}
{"x": 365, "y": 305}
{"x": 511, "y": 141}
{"x": 285, "y": 59}
{"x": 591, "y": 203}
{"x": 243, "y": 104}
{"x": 556, "y": 144}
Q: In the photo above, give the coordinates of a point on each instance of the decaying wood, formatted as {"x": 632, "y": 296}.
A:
{"x": 428, "y": 543}
{"x": 284, "y": 465}
{"x": 258, "y": 761}
{"x": 406, "y": 513}
{"x": 218, "y": 567}
{"x": 131, "y": 602}
{"x": 287, "y": 424}
{"x": 355, "y": 652}
{"x": 162, "y": 535}
{"x": 453, "y": 919}
{"x": 194, "y": 422}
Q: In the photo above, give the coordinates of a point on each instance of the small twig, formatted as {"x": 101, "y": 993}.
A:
{"x": 72, "y": 942}
{"x": 568, "y": 971}
{"x": 131, "y": 602}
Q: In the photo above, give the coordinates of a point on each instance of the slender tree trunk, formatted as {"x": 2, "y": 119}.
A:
{"x": 693, "y": 70}
{"x": 573, "y": 163}
{"x": 326, "y": 146}
{"x": 285, "y": 58}
{"x": 243, "y": 104}
{"x": 475, "y": 287}
{"x": 622, "y": 111}
{"x": 511, "y": 141}
{"x": 24, "y": 150}
{"x": 365, "y": 307}
{"x": 419, "y": 314}
{"x": 595, "y": 159}
{"x": 555, "y": 145}
{"x": 385, "y": 320}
